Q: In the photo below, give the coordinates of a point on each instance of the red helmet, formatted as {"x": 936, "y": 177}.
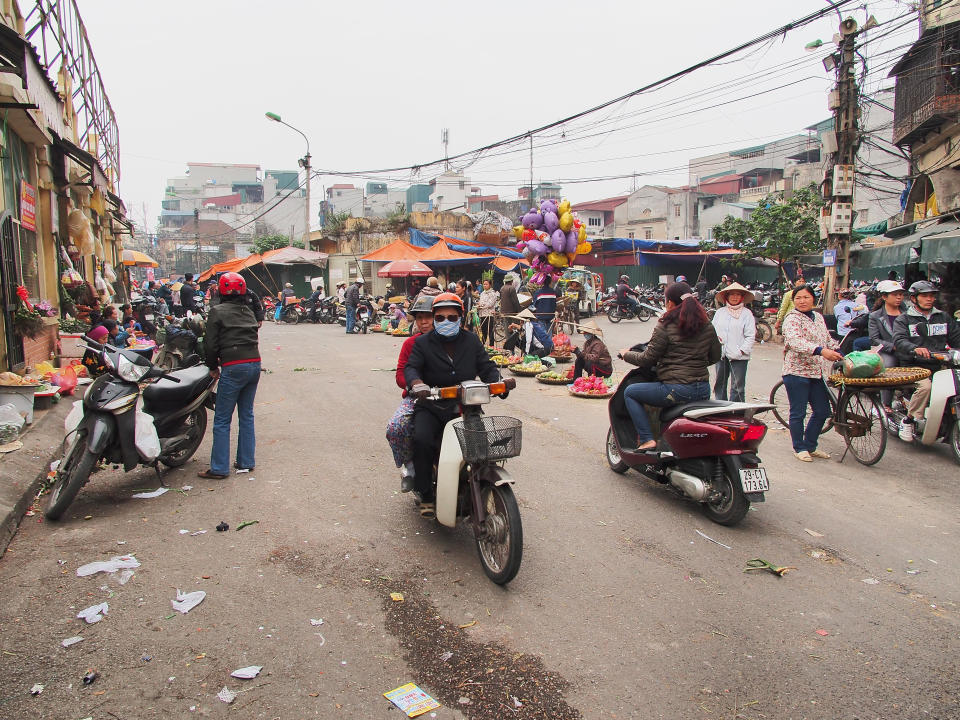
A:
{"x": 232, "y": 283}
{"x": 447, "y": 299}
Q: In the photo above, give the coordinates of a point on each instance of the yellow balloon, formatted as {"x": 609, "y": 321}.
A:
{"x": 582, "y": 233}
{"x": 558, "y": 260}
{"x": 518, "y": 232}
{"x": 566, "y": 221}
{"x": 562, "y": 208}
{"x": 571, "y": 257}
{"x": 582, "y": 248}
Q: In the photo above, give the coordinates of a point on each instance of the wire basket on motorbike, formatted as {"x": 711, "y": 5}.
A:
{"x": 489, "y": 437}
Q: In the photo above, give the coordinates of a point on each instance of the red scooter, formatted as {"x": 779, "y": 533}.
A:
{"x": 706, "y": 450}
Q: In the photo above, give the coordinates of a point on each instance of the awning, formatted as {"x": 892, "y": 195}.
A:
{"x": 506, "y": 264}
{"x": 397, "y": 250}
{"x": 294, "y": 256}
{"x": 941, "y": 248}
{"x": 870, "y": 230}
{"x": 699, "y": 255}
{"x": 134, "y": 258}
{"x": 441, "y": 254}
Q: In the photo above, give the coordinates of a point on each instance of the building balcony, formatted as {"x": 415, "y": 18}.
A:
{"x": 928, "y": 86}
{"x": 756, "y": 192}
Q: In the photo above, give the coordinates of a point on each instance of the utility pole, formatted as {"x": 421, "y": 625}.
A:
{"x": 306, "y": 211}
{"x": 196, "y": 239}
{"x": 445, "y": 139}
{"x": 844, "y": 100}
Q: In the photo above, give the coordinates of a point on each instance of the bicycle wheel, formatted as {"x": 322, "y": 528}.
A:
{"x": 863, "y": 426}
{"x": 781, "y": 410}
{"x": 764, "y": 331}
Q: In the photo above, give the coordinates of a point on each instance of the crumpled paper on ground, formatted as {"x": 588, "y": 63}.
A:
{"x": 94, "y": 613}
{"x": 227, "y": 695}
{"x": 186, "y": 602}
{"x": 247, "y": 673}
{"x": 121, "y": 562}
{"x": 152, "y": 494}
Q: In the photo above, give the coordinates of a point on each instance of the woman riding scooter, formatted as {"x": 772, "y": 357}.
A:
{"x": 447, "y": 355}
{"x": 683, "y": 347}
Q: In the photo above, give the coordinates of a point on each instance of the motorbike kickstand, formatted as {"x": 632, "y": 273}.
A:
{"x": 156, "y": 469}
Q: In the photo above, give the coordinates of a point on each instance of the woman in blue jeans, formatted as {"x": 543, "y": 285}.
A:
{"x": 683, "y": 347}
{"x": 806, "y": 344}
{"x": 233, "y": 356}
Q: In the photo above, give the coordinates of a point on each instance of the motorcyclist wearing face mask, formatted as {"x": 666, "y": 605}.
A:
{"x": 445, "y": 356}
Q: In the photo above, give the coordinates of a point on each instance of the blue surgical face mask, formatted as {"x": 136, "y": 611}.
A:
{"x": 447, "y": 328}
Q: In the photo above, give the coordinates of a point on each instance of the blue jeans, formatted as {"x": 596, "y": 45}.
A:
{"x": 351, "y": 317}
{"x": 862, "y": 343}
{"x": 660, "y": 395}
{"x": 803, "y": 391}
{"x": 237, "y": 389}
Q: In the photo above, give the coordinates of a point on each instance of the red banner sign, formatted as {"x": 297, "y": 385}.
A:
{"x": 28, "y": 206}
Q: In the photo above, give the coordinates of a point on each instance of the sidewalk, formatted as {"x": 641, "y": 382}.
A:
{"x": 23, "y": 471}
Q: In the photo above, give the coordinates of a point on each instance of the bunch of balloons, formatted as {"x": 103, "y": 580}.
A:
{"x": 551, "y": 237}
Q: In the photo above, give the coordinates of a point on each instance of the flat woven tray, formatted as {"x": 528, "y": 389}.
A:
{"x": 515, "y": 369}
{"x": 562, "y": 358}
{"x": 888, "y": 378}
{"x": 553, "y": 381}
{"x": 592, "y": 397}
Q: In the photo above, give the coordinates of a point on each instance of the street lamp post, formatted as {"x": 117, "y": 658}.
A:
{"x": 304, "y": 162}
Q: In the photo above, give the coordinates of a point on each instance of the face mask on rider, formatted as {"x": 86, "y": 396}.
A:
{"x": 447, "y": 328}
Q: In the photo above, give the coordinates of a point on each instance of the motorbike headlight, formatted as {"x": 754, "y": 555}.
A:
{"x": 130, "y": 371}
{"x": 475, "y": 395}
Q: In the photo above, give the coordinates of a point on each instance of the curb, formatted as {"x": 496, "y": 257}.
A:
{"x": 23, "y": 472}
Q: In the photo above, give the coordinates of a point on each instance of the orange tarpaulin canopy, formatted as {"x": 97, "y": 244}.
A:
{"x": 507, "y": 264}
{"x": 397, "y": 250}
{"x": 441, "y": 252}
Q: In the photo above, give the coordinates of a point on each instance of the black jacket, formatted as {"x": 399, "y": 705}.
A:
{"x": 231, "y": 333}
{"x": 430, "y": 364}
{"x": 352, "y": 296}
{"x": 880, "y": 332}
{"x": 679, "y": 360}
{"x": 509, "y": 302}
{"x": 913, "y": 330}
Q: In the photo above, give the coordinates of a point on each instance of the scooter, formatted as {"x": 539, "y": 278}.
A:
{"x": 103, "y": 427}
{"x": 180, "y": 343}
{"x": 625, "y": 311}
{"x": 941, "y": 419}
{"x": 706, "y": 450}
{"x": 472, "y": 482}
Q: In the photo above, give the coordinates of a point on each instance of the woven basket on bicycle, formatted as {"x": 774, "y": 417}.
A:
{"x": 489, "y": 437}
{"x": 888, "y": 378}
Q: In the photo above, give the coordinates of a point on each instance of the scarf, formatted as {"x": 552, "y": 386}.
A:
{"x": 735, "y": 310}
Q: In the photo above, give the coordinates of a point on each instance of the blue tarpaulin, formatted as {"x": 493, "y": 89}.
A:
{"x": 425, "y": 240}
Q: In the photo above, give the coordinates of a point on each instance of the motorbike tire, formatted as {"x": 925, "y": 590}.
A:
{"x": 955, "y": 441}
{"x": 73, "y": 473}
{"x": 613, "y": 314}
{"x": 291, "y": 318}
{"x": 614, "y": 460}
{"x": 644, "y": 314}
{"x": 733, "y": 504}
{"x": 199, "y": 419}
{"x": 764, "y": 331}
{"x": 501, "y": 558}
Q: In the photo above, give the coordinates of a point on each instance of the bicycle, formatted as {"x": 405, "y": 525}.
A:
{"x": 856, "y": 413}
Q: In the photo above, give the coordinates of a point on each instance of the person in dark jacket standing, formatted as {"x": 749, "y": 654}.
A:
{"x": 509, "y": 302}
{"x": 683, "y": 347}
{"x": 445, "y": 356}
{"x": 545, "y": 303}
{"x": 351, "y": 299}
{"x": 233, "y": 356}
{"x": 919, "y": 331}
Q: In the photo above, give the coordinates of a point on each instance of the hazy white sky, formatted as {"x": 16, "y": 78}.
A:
{"x": 373, "y": 83}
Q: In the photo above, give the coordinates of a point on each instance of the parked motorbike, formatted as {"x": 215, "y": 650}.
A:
{"x": 471, "y": 480}
{"x": 180, "y": 343}
{"x": 146, "y": 312}
{"x": 941, "y": 419}
{"x": 365, "y": 316}
{"x": 322, "y": 310}
{"x": 706, "y": 451}
{"x": 106, "y": 428}
{"x": 292, "y": 312}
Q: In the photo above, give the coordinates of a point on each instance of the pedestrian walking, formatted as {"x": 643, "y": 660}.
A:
{"x": 233, "y": 356}
{"x": 806, "y": 344}
{"x": 487, "y": 308}
{"x": 737, "y": 330}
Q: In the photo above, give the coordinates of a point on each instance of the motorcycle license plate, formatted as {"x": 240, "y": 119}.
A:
{"x": 148, "y": 318}
{"x": 754, "y": 480}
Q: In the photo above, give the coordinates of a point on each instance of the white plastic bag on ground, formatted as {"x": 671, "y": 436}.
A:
{"x": 145, "y": 434}
{"x": 186, "y": 602}
{"x": 121, "y": 562}
{"x": 94, "y": 613}
{"x": 11, "y": 423}
{"x": 247, "y": 673}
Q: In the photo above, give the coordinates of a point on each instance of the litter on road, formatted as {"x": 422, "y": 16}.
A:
{"x": 91, "y": 677}
{"x": 36, "y": 689}
{"x": 412, "y": 700}
{"x": 94, "y": 613}
{"x": 222, "y": 527}
{"x": 71, "y": 641}
{"x": 246, "y": 523}
{"x": 247, "y": 673}
{"x": 761, "y": 564}
{"x": 227, "y": 695}
{"x": 122, "y": 562}
{"x": 186, "y": 602}
{"x": 396, "y": 597}
{"x": 152, "y": 494}
{"x": 715, "y": 542}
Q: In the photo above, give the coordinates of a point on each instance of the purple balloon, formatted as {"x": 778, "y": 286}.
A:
{"x": 551, "y": 222}
{"x": 571, "y": 244}
{"x": 527, "y": 252}
{"x": 548, "y": 206}
{"x": 559, "y": 240}
{"x": 537, "y": 247}
{"x": 533, "y": 220}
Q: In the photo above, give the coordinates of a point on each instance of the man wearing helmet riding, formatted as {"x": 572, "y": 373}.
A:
{"x": 445, "y": 356}
{"x": 920, "y": 331}
{"x": 233, "y": 356}
{"x": 626, "y": 295}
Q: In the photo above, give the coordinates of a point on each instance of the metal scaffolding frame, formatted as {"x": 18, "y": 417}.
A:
{"x": 56, "y": 30}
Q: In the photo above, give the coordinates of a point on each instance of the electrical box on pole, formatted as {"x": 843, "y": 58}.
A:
{"x": 838, "y": 185}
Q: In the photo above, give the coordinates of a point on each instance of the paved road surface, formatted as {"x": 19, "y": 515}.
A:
{"x": 621, "y": 609}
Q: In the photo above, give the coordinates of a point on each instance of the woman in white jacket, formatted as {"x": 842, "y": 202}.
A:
{"x": 737, "y": 331}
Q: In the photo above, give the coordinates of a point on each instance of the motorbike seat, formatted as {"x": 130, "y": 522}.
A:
{"x": 674, "y": 411}
{"x": 168, "y": 395}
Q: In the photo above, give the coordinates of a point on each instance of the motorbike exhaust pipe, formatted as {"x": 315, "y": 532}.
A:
{"x": 169, "y": 445}
{"x": 691, "y": 486}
